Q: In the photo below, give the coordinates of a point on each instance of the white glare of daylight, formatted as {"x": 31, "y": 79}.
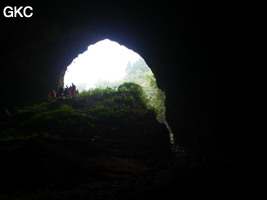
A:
{"x": 106, "y": 60}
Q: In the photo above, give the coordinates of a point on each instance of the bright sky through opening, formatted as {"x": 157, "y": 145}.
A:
{"x": 106, "y": 60}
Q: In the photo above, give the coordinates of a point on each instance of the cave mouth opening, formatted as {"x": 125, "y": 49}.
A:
{"x": 107, "y": 64}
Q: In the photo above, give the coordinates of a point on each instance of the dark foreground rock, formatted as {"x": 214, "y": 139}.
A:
{"x": 57, "y": 169}
{"x": 117, "y": 160}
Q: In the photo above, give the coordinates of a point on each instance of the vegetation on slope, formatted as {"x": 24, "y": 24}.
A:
{"x": 76, "y": 117}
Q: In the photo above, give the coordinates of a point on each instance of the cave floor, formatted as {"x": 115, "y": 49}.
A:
{"x": 116, "y": 163}
{"x": 55, "y": 172}
{"x": 43, "y": 168}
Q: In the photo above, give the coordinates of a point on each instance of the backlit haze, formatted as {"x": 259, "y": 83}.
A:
{"x": 106, "y": 60}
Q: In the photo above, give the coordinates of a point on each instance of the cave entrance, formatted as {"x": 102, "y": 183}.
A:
{"x": 107, "y": 64}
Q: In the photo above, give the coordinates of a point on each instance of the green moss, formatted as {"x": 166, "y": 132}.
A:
{"x": 36, "y": 108}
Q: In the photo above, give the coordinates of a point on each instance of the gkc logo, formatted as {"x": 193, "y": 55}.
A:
{"x": 20, "y": 11}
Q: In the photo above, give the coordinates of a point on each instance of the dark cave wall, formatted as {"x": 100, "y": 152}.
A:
{"x": 182, "y": 44}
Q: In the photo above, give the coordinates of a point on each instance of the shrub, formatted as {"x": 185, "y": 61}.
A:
{"x": 97, "y": 94}
{"x": 131, "y": 87}
{"x": 140, "y": 98}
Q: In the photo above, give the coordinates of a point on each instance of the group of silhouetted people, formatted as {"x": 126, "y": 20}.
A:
{"x": 67, "y": 92}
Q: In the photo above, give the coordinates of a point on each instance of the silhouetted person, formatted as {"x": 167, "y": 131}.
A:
{"x": 73, "y": 89}
{"x": 66, "y": 91}
{"x": 60, "y": 91}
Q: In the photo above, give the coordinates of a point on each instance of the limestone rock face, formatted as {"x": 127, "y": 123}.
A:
{"x": 183, "y": 43}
